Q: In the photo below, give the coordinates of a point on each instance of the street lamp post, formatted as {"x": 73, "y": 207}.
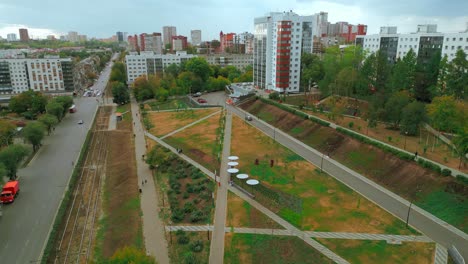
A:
{"x": 321, "y": 162}
{"x": 406, "y": 135}
{"x": 411, "y": 204}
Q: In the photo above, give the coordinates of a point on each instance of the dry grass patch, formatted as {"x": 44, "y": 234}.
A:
{"x": 242, "y": 214}
{"x": 370, "y": 251}
{"x": 328, "y": 205}
{"x": 166, "y": 122}
{"x": 199, "y": 142}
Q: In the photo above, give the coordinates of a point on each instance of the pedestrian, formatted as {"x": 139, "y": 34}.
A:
{"x": 146, "y": 181}
{"x": 73, "y": 163}
{"x": 416, "y": 155}
{"x": 142, "y": 182}
{"x": 53, "y": 128}
{"x": 143, "y": 157}
{"x": 140, "y": 191}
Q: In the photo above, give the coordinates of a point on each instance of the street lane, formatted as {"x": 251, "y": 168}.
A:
{"x": 26, "y": 223}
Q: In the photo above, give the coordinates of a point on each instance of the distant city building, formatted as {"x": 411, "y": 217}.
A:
{"x": 50, "y": 37}
{"x": 345, "y": 31}
{"x": 63, "y": 38}
{"x": 151, "y": 42}
{"x": 133, "y": 43}
{"x": 73, "y": 36}
{"x": 11, "y": 37}
{"x": 280, "y": 39}
{"x": 179, "y": 43}
{"x": 243, "y": 43}
{"x": 82, "y": 38}
{"x": 50, "y": 74}
{"x": 24, "y": 36}
{"x": 227, "y": 41}
{"x": 196, "y": 38}
{"x": 240, "y": 61}
{"x": 120, "y": 36}
{"x": 168, "y": 33}
{"x": 148, "y": 63}
{"x": 425, "y": 42}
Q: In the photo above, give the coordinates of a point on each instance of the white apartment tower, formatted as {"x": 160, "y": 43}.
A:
{"x": 279, "y": 40}
{"x": 195, "y": 37}
{"x": 168, "y": 33}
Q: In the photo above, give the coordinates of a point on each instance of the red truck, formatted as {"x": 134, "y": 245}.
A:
{"x": 10, "y": 191}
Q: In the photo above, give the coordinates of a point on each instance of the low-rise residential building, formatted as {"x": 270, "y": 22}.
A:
{"x": 240, "y": 61}
{"x": 425, "y": 42}
{"x": 149, "y": 63}
{"x": 50, "y": 75}
{"x": 179, "y": 43}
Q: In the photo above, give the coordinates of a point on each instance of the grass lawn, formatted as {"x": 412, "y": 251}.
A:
{"x": 242, "y": 214}
{"x": 253, "y": 248}
{"x": 200, "y": 142}
{"x": 370, "y": 251}
{"x": 166, "y": 122}
{"x": 327, "y": 205}
{"x": 189, "y": 247}
{"x": 179, "y": 103}
{"x": 124, "y": 108}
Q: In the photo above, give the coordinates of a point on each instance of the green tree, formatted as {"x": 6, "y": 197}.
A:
{"x": 173, "y": 70}
{"x": 403, "y": 75}
{"x": 118, "y": 73}
{"x": 3, "y": 171}
{"x": 190, "y": 82}
{"x": 346, "y": 81}
{"x": 38, "y": 103}
{"x": 442, "y": 76}
{"x": 34, "y": 132}
{"x": 312, "y": 69}
{"x": 56, "y": 109}
{"x": 130, "y": 255}
{"x": 65, "y": 101}
{"x": 443, "y": 113}
{"x": 49, "y": 121}
{"x": 461, "y": 145}
{"x": 120, "y": 93}
{"x": 217, "y": 84}
{"x": 200, "y": 67}
{"x": 426, "y": 78}
{"x": 22, "y": 102}
{"x": 7, "y": 130}
{"x": 274, "y": 96}
{"x": 394, "y": 108}
{"x": 457, "y": 76}
{"x": 413, "y": 115}
{"x": 11, "y": 158}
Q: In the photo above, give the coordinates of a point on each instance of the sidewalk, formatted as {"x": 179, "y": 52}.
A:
{"x": 153, "y": 228}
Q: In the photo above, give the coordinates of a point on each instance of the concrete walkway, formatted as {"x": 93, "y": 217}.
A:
{"x": 153, "y": 228}
{"x": 441, "y": 255}
{"x": 217, "y": 241}
{"x": 189, "y": 125}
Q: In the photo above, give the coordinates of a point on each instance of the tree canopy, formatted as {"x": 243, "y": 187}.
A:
{"x": 11, "y": 158}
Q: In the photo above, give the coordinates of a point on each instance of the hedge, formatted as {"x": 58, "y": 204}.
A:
{"x": 294, "y": 111}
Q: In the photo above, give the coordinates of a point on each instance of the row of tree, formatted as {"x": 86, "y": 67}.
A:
{"x": 47, "y": 112}
{"x": 192, "y": 76}
{"x": 117, "y": 83}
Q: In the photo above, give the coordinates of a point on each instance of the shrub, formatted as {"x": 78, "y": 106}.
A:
{"x": 177, "y": 215}
{"x": 196, "y": 216}
{"x": 462, "y": 179}
{"x": 186, "y": 195}
{"x": 446, "y": 172}
{"x": 189, "y": 258}
{"x": 196, "y": 201}
{"x": 188, "y": 207}
{"x": 196, "y": 246}
{"x": 351, "y": 124}
{"x": 183, "y": 240}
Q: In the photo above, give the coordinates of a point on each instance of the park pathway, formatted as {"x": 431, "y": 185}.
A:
{"x": 153, "y": 228}
{"x": 217, "y": 241}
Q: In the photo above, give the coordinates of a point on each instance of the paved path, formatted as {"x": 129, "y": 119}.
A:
{"x": 153, "y": 228}
{"x": 441, "y": 256}
{"x": 189, "y": 125}
{"x": 436, "y": 229}
{"x": 217, "y": 241}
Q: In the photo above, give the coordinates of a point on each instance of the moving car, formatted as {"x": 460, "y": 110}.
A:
{"x": 80, "y": 122}
{"x": 201, "y": 101}
{"x": 248, "y": 118}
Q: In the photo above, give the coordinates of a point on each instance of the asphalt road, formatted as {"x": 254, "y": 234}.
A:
{"x": 438, "y": 231}
{"x": 25, "y": 224}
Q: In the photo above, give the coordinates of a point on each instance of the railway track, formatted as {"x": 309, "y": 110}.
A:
{"x": 77, "y": 236}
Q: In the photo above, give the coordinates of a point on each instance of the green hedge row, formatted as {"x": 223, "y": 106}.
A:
{"x": 65, "y": 202}
{"x": 394, "y": 151}
{"x": 295, "y": 112}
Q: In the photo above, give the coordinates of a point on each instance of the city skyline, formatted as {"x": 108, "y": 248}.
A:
{"x": 212, "y": 17}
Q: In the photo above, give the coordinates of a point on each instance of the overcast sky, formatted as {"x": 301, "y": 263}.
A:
{"x": 102, "y": 18}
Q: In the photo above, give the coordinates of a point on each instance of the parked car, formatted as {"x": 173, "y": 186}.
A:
{"x": 248, "y": 118}
{"x": 80, "y": 122}
{"x": 201, "y": 101}
{"x": 196, "y": 94}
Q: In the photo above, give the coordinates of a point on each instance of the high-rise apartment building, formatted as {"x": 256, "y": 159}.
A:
{"x": 179, "y": 43}
{"x": 425, "y": 42}
{"x": 196, "y": 37}
{"x": 279, "y": 40}
{"x": 243, "y": 43}
{"x": 168, "y": 33}
{"x": 227, "y": 41}
{"x": 11, "y": 37}
{"x": 151, "y": 42}
{"x": 73, "y": 36}
{"x": 24, "y": 36}
{"x": 120, "y": 36}
{"x": 50, "y": 74}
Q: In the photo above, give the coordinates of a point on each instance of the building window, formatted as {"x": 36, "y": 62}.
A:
{"x": 447, "y": 39}
{"x": 446, "y": 47}
{"x": 454, "y": 39}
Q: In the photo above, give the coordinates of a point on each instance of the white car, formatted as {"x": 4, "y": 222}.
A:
{"x": 80, "y": 122}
